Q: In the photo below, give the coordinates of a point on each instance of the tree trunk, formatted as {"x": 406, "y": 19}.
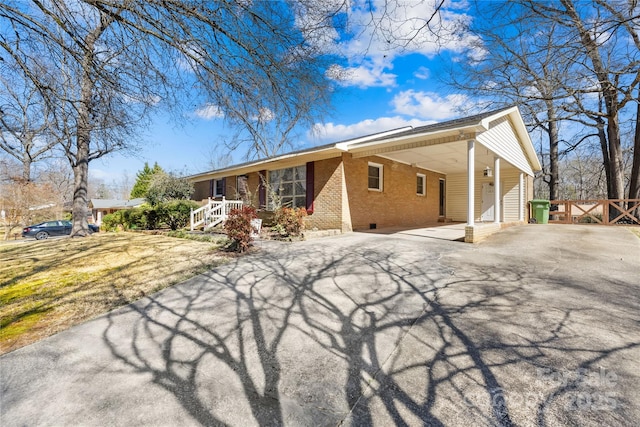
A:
{"x": 615, "y": 156}
{"x": 80, "y": 198}
{"x": 554, "y": 141}
{"x": 83, "y": 142}
{"x": 634, "y": 183}
{"x": 26, "y": 168}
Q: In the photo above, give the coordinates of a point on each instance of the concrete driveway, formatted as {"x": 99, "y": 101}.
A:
{"x": 538, "y": 325}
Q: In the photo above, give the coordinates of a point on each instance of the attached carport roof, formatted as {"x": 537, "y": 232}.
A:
{"x": 440, "y": 147}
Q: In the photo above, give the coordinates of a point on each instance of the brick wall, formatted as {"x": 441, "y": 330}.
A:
{"x": 201, "y": 190}
{"x": 327, "y": 189}
{"x": 398, "y": 204}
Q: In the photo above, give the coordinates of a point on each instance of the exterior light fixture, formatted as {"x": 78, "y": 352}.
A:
{"x": 488, "y": 172}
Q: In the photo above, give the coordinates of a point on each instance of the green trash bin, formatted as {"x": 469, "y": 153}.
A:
{"x": 540, "y": 211}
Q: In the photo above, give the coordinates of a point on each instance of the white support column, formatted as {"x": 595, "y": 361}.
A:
{"x": 470, "y": 183}
{"x": 521, "y": 198}
{"x": 497, "y": 192}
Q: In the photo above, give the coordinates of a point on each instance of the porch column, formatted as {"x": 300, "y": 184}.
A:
{"x": 521, "y": 197}
{"x": 470, "y": 182}
{"x": 496, "y": 190}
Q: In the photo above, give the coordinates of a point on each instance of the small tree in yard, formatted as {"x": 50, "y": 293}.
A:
{"x": 238, "y": 227}
{"x": 167, "y": 186}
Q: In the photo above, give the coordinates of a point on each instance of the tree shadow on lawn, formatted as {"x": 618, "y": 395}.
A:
{"x": 74, "y": 286}
{"x": 356, "y": 336}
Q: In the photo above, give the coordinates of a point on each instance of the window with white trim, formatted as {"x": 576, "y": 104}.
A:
{"x": 375, "y": 177}
{"x": 288, "y": 187}
{"x": 218, "y": 187}
{"x": 421, "y": 184}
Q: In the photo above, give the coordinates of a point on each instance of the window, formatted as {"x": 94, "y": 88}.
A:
{"x": 218, "y": 187}
{"x": 421, "y": 184}
{"x": 242, "y": 188}
{"x": 375, "y": 176}
{"x": 288, "y": 187}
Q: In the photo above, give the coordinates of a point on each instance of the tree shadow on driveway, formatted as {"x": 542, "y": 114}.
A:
{"x": 352, "y": 330}
{"x": 370, "y": 334}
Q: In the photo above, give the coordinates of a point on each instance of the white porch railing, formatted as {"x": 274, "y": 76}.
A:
{"x": 213, "y": 213}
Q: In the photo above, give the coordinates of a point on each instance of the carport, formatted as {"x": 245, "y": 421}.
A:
{"x": 488, "y": 159}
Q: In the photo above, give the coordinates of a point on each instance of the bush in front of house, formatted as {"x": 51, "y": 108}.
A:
{"x": 176, "y": 213}
{"x": 238, "y": 227}
{"x": 289, "y": 221}
{"x": 112, "y": 221}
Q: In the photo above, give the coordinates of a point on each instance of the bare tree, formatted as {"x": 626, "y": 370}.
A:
{"x": 520, "y": 63}
{"x": 608, "y": 37}
{"x": 562, "y": 62}
{"x": 102, "y": 65}
{"x": 24, "y": 124}
{"x": 25, "y": 202}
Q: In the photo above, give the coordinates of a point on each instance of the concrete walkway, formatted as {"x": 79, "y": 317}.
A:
{"x": 538, "y": 325}
{"x": 441, "y": 231}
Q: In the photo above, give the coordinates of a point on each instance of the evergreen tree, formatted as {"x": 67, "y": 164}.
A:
{"x": 143, "y": 180}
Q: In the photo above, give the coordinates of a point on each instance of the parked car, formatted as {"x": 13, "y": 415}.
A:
{"x": 52, "y": 228}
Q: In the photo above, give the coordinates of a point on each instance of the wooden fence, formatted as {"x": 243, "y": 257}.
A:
{"x": 605, "y": 212}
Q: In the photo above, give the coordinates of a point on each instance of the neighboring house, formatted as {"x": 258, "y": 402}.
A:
{"x": 464, "y": 170}
{"x": 101, "y": 207}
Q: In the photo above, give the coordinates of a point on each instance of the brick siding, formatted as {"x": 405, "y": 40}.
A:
{"x": 397, "y": 204}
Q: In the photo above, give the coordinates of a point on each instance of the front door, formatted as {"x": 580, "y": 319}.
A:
{"x": 488, "y": 191}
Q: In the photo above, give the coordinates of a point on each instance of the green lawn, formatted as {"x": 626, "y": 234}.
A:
{"x": 47, "y": 286}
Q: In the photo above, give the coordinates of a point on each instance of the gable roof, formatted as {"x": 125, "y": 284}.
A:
{"x": 115, "y": 203}
{"x": 467, "y": 127}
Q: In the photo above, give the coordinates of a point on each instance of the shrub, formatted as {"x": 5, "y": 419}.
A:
{"x": 126, "y": 219}
{"x": 238, "y": 227}
{"x": 110, "y": 222}
{"x": 176, "y": 213}
{"x": 289, "y": 222}
{"x": 151, "y": 217}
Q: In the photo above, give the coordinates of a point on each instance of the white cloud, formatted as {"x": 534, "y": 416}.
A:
{"x": 95, "y": 173}
{"x": 368, "y": 75}
{"x": 397, "y": 28}
{"x": 428, "y": 105}
{"x": 381, "y": 31}
{"x": 209, "y": 111}
{"x": 422, "y": 73}
{"x": 331, "y": 132}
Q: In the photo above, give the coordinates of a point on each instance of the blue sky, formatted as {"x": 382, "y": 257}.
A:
{"x": 387, "y": 88}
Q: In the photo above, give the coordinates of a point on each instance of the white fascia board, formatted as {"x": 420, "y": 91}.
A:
{"x": 346, "y": 144}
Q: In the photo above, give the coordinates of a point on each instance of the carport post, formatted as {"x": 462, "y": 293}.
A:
{"x": 470, "y": 182}
{"x": 521, "y": 198}
{"x": 496, "y": 190}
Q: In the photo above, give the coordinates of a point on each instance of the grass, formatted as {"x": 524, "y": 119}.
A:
{"x": 48, "y": 286}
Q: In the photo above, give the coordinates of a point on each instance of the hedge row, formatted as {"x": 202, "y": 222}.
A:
{"x": 174, "y": 214}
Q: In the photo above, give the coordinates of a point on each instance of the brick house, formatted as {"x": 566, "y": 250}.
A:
{"x": 464, "y": 170}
